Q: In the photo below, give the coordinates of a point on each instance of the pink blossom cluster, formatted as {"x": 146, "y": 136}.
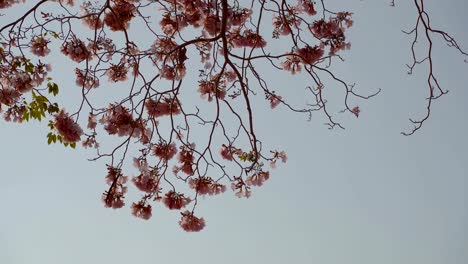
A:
{"x": 148, "y": 180}
{"x": 209, "y": 90}
{"x": 206, "y": 185}
{"x": 118, "y": 120}
{"x": 14, "y": 113}
{"x": 141, "y": 210}
{"x": 76, "y": 50}
{"x": 191, "y": 223}
{"x": 164, "y": 106}
{"x": 165, "y": 151}
{"x": 118, "y": 18}
{"x": 240, "y": 188}
{"x": 258, "y": 178}
{"x": 114, "y": 197}
{"x": 91, "y": 19}
{"x": 164, "y": 47}
{"x": 248, "y": 38}
{"x": 356, "y": 111}
{"x": 278, "y": 156}
{"x": 21, "y": 81}
{"x": 228, "y": 152}
{"x": 238, "y": 16}
{"x": 292, "y": 64}
{"x": 117, "y": 73}
{"x": 186, "y": 159}
{"x": 310, "y": 55}
{"x": 274, "y": 99}
{"x": 8, "y": 3}
{"x": 175, "y": 201}
{"x": 9, "y": 96}
{"x": 170, "y": 24}
{"x": 85, "y": 79}
{"x": 332, "y": 32}
{"x": 306, "y": 6}
{"x": 68, "y": 129}
{"x": 39, "y": 46}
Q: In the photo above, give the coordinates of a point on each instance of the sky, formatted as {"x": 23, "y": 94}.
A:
{"x": 361, "y": 195}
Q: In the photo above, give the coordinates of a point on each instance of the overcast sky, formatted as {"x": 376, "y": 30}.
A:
{"x": 364, "y": 195}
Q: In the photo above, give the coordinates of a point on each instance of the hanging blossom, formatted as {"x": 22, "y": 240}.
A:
{"x": 148, "y": 180}
{"x": 186, "y": 158}
{"x": 240, "y": 188}
{"x": 175, "y": 201}
{"x": 76, "y": 50}
{"x": 206, "y": 185}
{"x": 141, "y": 210}
{"x": 68, "y": 129}
{"x": 165, "y": 151}
{"x": 164, "y": 106}
{"x": 117, "y": 73}
{"x": 39, "y": 46}
{"x": 9, "y": 96}
{"x": 258, "y": 178}
{"x": 191, "y": 223}
{"x": 227, "y": 152}
{"x": 118, "y": 19}
{"x": 306, "y": 6}
{"x": 274, "y": 99}
{"x": 118, "y": 120}
{"x": 84, "y": 79}
{"x": 209, "y": 90}
{"x": 247, "y": 39}
{"x": 114, "y": 197}
{"x": 278, "y": 156}
{"x": 21, "y": 81}
{"x": 91, "y": 18}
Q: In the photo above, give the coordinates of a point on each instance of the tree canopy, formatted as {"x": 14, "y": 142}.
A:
{"x": 155, "y": 75}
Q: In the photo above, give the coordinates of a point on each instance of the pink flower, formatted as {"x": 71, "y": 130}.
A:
{"x": 175, "y": 201}
{"x": 92, "y": 122}
{"x": 307, "y": 6}
{"x": 21, "y": 82}
{"x": 113, "y": 200}
{"x": 191, "y": 223}
{"x": 9, "y": 96}
{"x": 241, "y": 189}
{"x": 165, "y": 151}
{"x": 206, "y": 185}
{"x": 114, "y": 197}
{"x": 310, "y": 55}
{"x": 275, "y": 100}
{"x": 141, "y": 210}
{"x": 118, "y": 120}
{"x": 146, "y": 183}
{"x": 292, "y": 64}
{"x": 76, "y": 50}
{"x": 67, "y": 128}
{"x": 247, "y": 39}
{"x": 356, "y": 111}
{"x": 212, "y": 24}
{"x": 117, "y": 73}
{"x": 226, "y": 152}
{"x": 257, "y": 179}
{"x": 119, "y": 18}
{"x": 186, "y": 159}
{"x": 282, "y": 155}
{"x": 208, "y": 90}
{"x": 84, "y": 79}
{"x": 39, "y": 46}
{"x": 165, "y": 106}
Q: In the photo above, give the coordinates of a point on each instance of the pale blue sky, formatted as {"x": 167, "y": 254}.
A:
{"x": 365, "y": 195}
